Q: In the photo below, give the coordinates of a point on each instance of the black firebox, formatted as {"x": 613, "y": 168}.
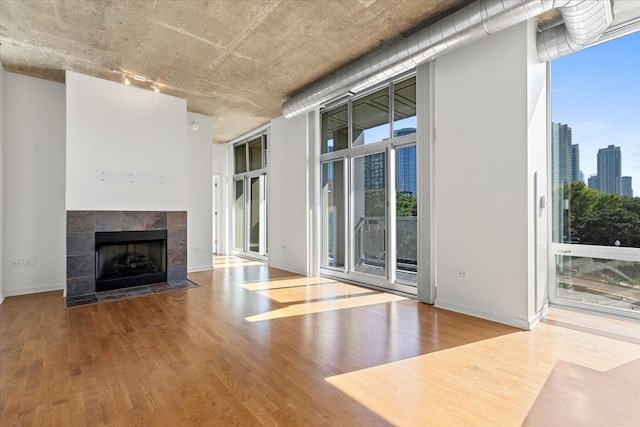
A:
{"x": 130, "y": 258}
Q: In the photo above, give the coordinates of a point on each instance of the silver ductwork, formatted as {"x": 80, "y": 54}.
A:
{"x": 584, "y": 22}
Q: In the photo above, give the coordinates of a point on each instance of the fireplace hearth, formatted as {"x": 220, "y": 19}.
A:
{"x": 130, "y": 258}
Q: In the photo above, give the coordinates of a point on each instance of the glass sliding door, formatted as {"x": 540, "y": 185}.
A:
{"x": 406, "y": 216}
{"x": 333, "y": 215}
{"x": 238, "y": 241}
{"x": 369, "y": 214}
{"x": 254, "y": 214}
{"x": 369, "y": 222}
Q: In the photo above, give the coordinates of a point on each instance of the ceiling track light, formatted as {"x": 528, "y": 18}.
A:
{"x": 126, "y": 78}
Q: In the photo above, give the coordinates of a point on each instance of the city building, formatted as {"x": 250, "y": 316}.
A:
{"x": 592, "y": 182}
{"x": 627, "y": 186}
{"x": 374, "y": 171}
{"x": 575, "y": 163}
{"x": 609, "y": 170}
{"x": 562, "y": 154}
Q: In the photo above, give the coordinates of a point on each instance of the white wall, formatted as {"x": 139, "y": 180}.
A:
{"x": 34, "y": 155}
{"x": 219, "y": 160}
{"x": 288, "y": 182}
{"x": 33, "y": 184}
{"x": 1, "y": 181}
{"x": 199, "y": 192}
{"x": 124, "y": 130}
{"x": 537, "y": 119}
{"x": 488, "y": 101}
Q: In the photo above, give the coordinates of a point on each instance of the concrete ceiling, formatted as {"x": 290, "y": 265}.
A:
{"x": 235, "y": 60}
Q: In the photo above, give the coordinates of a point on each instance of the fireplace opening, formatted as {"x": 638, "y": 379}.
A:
{"x": 130, "y": 258}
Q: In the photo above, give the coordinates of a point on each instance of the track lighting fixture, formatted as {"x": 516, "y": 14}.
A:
{"x": 126, "y": 78}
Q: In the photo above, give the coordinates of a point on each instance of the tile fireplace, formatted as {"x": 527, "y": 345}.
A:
{"x": 117, "y": 249}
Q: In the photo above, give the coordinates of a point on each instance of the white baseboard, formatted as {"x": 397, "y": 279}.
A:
{"x": 201, "y": 268}
{"x": 537, "y": 318}
{"x": 35, "y": 289}
{"x": 494, "y": 317}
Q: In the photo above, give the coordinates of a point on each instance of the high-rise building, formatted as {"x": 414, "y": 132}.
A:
{"x": 609, "y": 169}
{"x": 374, "y": 171}
{"x": 561, "y": 154}
{"x": 575, "y": 162}
{"x": 592, "y": 182}
{"x": 626, "y": 186}
{"x": 406, "y": 170}
{"x": 582, "y": 176}
{"x": 403, "y": 131}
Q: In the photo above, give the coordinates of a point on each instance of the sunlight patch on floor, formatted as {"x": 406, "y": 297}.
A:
{"x": 475, "y": 383}
{"x": 242, "y": 263}
{"x": 278, "y": 283}
{"x": 323, "y": 306}
{"x": 313, "y": 292}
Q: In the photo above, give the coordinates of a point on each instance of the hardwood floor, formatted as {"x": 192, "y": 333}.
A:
{"x": 259, "y": 346}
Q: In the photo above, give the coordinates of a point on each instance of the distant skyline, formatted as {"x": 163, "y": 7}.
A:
{"x": 597, "y": 93}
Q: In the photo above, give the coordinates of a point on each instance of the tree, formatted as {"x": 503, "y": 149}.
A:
{"x": 601, "y": 219}
{"x": 406, "y": 205}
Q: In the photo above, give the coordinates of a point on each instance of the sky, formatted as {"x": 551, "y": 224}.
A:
{"x": 597, "y": 93}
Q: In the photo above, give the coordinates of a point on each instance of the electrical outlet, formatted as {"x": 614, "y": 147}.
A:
{"x": 21, "y": 262}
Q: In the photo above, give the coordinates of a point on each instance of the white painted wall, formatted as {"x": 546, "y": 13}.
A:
{"x": 121, "y": 130}
{"x": 34, "y": 153}
{"x": 538, "y": 121}
{"x": 220, "y": 166}
{"x": 199, "y": 192}
{"x": 490, "y": 101}
{"x": 1, "y": 181}
{"x": 33, "y": 184}
{"x": 288, "y": 201}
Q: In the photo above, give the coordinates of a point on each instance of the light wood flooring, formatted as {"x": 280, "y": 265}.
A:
{"x": 258, "y": 346}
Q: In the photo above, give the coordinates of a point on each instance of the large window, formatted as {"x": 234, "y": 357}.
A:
{"x": 595, "y": 170}
{"x": 250, "y": 192}
{"x": 369, "y": 194}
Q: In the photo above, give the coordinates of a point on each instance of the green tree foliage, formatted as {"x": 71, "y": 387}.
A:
{"x": 601, "y": 219}
{"x": 406, "y": 205}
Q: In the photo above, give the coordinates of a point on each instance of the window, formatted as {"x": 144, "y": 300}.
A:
{"x": 368, "y": 194}
{"x": 335, "y": 130}
{"x": 404, "y": 107}
{"x": 250, "y": 190}
{"x": 595, "y": 170}
{"x": 371, "y": 118}
{"x": 255, "y": 154}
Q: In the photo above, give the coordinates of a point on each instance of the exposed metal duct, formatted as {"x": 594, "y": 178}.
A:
{"x": 584, "y": 20}
{"x": 583, "y": 24}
